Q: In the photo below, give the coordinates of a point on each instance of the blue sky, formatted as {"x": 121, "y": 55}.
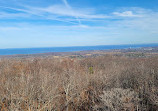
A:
{"x": 53, "y": 23}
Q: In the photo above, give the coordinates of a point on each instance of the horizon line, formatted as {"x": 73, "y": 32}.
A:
{"x": 80, "y": 46}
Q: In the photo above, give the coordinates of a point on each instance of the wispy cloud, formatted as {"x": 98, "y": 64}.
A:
{"x": 59, "y": 12}
{"x": 62, "y": 10}
{"x": 69, "y": 7}
{"x": 138, "y": 19}
{"x": 129, "y": 17}
{"x": 126, "y": 14}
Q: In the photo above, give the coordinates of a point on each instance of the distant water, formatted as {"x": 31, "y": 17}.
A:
{"x": 69, "y": 49}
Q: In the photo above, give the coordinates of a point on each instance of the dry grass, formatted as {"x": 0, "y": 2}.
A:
{"x": 107, "y": 83}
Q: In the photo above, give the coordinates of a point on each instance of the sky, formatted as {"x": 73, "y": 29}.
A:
{"x": 58, "y": 23}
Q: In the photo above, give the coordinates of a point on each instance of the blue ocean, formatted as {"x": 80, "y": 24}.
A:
{"x": 15, "y": 51}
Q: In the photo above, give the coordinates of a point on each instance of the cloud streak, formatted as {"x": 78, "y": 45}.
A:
{"x": 57, "y": 12}
{"x": 130, "y": 17}
{"x": 69, "y": 7}
{"x": 126, "y": 14}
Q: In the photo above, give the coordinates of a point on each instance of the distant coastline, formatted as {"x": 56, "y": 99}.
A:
{"x": 25, "y": 51}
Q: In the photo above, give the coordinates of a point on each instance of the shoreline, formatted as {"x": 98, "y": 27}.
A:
{"x": 48, "y": 50}
{"x": 85, "y": 53}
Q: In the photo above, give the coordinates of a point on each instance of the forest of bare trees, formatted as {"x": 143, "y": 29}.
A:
{"x": 102, "y": 83}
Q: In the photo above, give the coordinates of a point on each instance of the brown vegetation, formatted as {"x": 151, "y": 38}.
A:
{"x": 103, "y": 83}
